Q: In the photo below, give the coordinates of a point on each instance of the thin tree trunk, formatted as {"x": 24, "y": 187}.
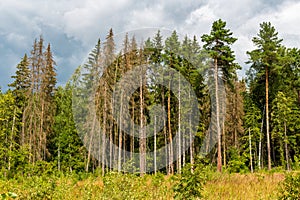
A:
{"x": 132, "y": 132}
{"x": 165, "y": 132}
{"x": 104, "y": 132}
{"x": 224, "y": 137}
{"x": 171, "y": 168}
{"x": 224, "y": 144}
{"x": 260, "y": 141}
{"x": 183, "y": 149}
{"x": 120, "y": 135}
{"x": 179, "y": 129}
{"x": 250, "y": 149}
{"x": 91, "y": 137}
{"x": 110, "y": 145}
{"x": 155, "y": 167}
{"x": 267, "y": 119}
{"x": 191, "y": 140}
{"x": 219, "y": 160}
{"x": 41, "y": 134}
{"x": 11, "y": 139}
{"x": 286, "y": 147}
{"x": 142, "y": 134}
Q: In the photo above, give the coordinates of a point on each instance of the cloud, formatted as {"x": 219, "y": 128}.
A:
{"x": 73, "y": 26}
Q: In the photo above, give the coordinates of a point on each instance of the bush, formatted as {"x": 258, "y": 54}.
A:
{"x": 290, "y": 188}
{"x": 190, "y": 184}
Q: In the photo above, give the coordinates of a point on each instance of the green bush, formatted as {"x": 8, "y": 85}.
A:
{"x": 237, "y": 162}
{"x": 290, "y": 188}
{"x": 190, "y": 184}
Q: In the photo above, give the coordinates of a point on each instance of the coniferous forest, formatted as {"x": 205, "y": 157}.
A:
{"x": 238, "y": 141}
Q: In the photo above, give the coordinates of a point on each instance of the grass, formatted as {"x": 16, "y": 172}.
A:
{"x": 243, "y": 186}
{"x": 120, "y": 186}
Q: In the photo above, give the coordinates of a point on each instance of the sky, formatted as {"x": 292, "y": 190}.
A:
{"x": 74, "y": 26}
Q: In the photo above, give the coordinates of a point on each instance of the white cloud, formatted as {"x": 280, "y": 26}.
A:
{"x": 73, "y": 24}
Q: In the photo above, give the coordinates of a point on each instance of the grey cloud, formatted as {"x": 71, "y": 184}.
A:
{"x": 72, "y": 27}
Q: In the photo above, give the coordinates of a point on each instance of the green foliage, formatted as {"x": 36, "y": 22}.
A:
{"x": 290, "y": 188}
{"x": 237, "y": 163}
{"x": 8, "y": 195}
{"x": 130, "y": 186}
{"x": 66, "y": 146}
{"x": 189, "y": 184}
{"x": 217, "y": 44}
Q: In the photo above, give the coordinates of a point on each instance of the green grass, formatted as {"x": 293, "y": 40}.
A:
{"x": 120, "y": 186}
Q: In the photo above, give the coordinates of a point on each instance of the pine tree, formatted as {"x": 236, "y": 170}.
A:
{"x": 218, "y": 46}
{"x": 264, "y": 61}
{"x": 172, "y": 46}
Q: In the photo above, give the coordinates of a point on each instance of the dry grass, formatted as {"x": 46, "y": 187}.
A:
{"x": 221, "y": 186}
{"x": 243, "y": 186}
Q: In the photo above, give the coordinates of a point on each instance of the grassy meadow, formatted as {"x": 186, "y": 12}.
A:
{"x": 120, "y": 186}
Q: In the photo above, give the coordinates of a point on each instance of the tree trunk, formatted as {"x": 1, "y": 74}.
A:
{"x": 142, "y": 132}
{"x": 224, "y": 144}
{"x": 267, "y": 119}
{"x": 286, "y": 147}
{"x": 91, "y": 137}
{"x": 179, "y": 129}
{"x": 155, "y": 167}
{"x": 170, "y": 131}
{"x": 250, "y": 149}
{"x": 219, "y": 160}
{"x": 104, "y": 132}
{"x": 191, "y": 140}
{"x": 120, "y": 136}
{"x": 132, "y": 132}
{"x": 260, "y": 141}
{"x": 11, "y": 139}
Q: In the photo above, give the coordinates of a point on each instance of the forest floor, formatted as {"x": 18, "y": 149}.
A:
{"x": 120, "y": 186}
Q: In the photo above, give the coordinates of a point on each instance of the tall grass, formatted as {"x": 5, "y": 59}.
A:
{"x": 243, "y": 186}
{"x": 129, "y": 186}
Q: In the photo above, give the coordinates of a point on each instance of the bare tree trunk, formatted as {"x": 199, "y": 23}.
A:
{"x": 41, "y": 132}
{"x": 110, "y": 145}
{"x": 286, "y": 147}
{"x": 260, "y": 141}
{"x": 132, "y": 132}
{"x": 183, "y": 149}
{"x": 120, "y": 135}
{"x": 179, "y": 128}
{"x": 91, "y": 137}
{"x": 191, "y": 140}
{"x": 224, "y": 144}
{"x": 23, "y": 126}
{"x": 155, "y": 167}
{"x": 267, "y": 119}
{"x": 11, "y": 139}
{"x": 171, "y": 168}
{"x": 250, "y": 149}
{"x": 142, "y": 132}
{"x": 165, "y": 132}
{"x": 224, "y": 137}
{"x": 104, "y": 132}
{"x": 219, "y": 160}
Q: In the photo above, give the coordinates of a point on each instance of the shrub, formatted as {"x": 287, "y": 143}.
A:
{"x": 190, "y": 184}
{"x": 290, "y": 188}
